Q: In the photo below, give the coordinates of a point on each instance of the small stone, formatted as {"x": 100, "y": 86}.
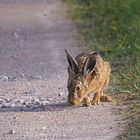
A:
{"x": 7, "y": 100}
{"x": 14, "y": 101}
{"x": 22, "y": 74}
{"x": 63, "y": 135}
{"x": 52, "y": 130}
{"x": 50, "y": 99}
{"x": 111, "y": 127}
{"x": 22, "y": 108}
{"x": 12, "y": 105}
{"x": 16, "y": 35}
{"x": 6, "y": 105}
{"x": 42, "y": 99}
{"x": 26, "y": 93}
{"x": 45, "y": 102}
{"x": 37, "y": 103}
{"x": 25, "y": 103}
{"x": 4, "y": 78}
{"x": 29, "y": 105}
{"x": 28, "y": 84}
{"x": 12, "y": 131}
{"x": 38, "y": 77}
{"x": 31, "y": 99}
{"x": 2, "y": 101}
{"x": 60, "y": 94}
{"x": 15, "y": 118}
{"x": 35, "y": 100}
{"x": 43, "y": 128}
{"x": 21, "y": 101}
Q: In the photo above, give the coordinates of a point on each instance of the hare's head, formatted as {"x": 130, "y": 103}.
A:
{"x": 77, "y": 89}
{"x": 79, "y": 80}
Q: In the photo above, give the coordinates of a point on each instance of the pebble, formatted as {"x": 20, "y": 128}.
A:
{"x": 63, "y": 135}
{"x": 16, "y": 35}
{"x": 22, "y": 101}
{"x": 31, "y": 99}
{"x": 26, "y": 93}
{"x": 12, "y": 105}
{"x": 22, "y": 75}
{"x": 50, "y": 99}
{"x": 37, "y": 103}
{"x": 4, "y": 78}
{"x": 7, "y": 100}
{"x": 43, "y": 128}
{"x": 42, "y": 99}
{"x": 45, "y": 102}
{"x": 28, "y": 84}
{"x": 25, "y": 103}
{"x": 2, "y": 101}
{"x": 30, "y": 105}
{"x": 14, "y": 101}
{"x": 12, "y": 131}
{"x": 60, "y": 94}
{"x": 6, "y": 105}
{"x": 22, "y": 108}
{"x": 35, "y": 100}
{"x": 15, "y": 118}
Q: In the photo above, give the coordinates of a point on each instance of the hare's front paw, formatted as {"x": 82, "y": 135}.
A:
{"x": 96, "y": 99}
{"x": 86, "y": 101}
{"x": 95, "y": 102}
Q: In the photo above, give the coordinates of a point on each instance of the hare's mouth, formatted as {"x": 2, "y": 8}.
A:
{"x": 74, "y": 101}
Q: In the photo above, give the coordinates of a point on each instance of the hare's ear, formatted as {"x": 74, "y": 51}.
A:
{"x": 72, "y": 63}
{"x": 89, "y": 65}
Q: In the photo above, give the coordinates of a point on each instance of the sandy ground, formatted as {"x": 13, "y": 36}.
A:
{"x": 33, "y": 37}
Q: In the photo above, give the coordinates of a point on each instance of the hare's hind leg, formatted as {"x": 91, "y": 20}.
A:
{"x": 105, "y": 98}
{"x": 96, "y": 98}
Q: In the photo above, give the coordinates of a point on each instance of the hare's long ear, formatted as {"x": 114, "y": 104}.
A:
{"x": 89, "y": 65}
{"x": 72, "y": 63}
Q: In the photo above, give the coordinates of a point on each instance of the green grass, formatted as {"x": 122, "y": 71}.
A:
{"x": 112, "y": 27}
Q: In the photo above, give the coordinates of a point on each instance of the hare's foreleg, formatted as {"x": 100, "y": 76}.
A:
{"x": 103, "y": 97}
{"x": 86, "y": 101}
{"x": 96, "y": 98}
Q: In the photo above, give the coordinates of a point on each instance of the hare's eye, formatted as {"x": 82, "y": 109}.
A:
{"x": 78, "y": 88}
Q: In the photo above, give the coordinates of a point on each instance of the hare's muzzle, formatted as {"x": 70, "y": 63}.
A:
{"x": 73, "y": 101}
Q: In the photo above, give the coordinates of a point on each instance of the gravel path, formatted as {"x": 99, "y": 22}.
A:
{"x": 33, "y": 77}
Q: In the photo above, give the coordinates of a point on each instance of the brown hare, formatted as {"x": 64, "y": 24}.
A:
{"x": 88, "y": 73}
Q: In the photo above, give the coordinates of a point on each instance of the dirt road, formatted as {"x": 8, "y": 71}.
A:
{"x": 33, "y": 77}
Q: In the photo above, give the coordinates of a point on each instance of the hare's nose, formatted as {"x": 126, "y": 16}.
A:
{"x": 70, "y": 101}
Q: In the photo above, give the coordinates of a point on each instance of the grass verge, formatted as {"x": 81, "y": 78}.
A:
{"x": 112, "y": 27}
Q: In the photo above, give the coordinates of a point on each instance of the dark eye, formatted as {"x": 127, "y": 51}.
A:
{"x": 78, "y": 88}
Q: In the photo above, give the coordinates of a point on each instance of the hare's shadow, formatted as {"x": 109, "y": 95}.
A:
{"x": 39, "y": 108}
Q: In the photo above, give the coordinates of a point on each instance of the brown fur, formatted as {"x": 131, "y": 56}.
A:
{"x": 86, "y": 78}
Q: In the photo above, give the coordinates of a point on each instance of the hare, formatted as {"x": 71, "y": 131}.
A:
{"x": 88, "y": 73}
